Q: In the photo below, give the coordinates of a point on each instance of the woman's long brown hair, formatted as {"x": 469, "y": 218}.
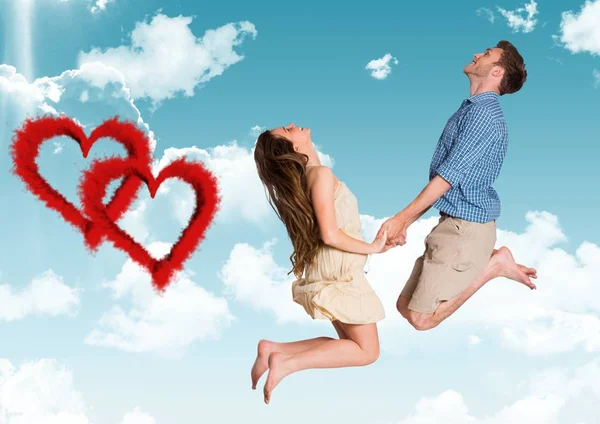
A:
{"x": 282, "y": 170}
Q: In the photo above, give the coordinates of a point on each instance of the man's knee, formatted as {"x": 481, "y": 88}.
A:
{"x": 402, "y": 306}
{"x": 421, "y": 322}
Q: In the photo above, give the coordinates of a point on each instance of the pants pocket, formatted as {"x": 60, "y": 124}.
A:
{"x": 466, "y": 233}
{"x": 448, "y": 245}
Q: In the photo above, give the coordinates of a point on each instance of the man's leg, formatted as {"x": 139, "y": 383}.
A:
{"x": 500, "y": 264}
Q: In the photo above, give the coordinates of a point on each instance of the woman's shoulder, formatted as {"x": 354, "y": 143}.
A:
{"x": 321, "y": 174}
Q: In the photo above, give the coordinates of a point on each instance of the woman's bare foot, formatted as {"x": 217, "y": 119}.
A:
{"x": 278, "y": 370}
{"x": 503, "y": 260}
{"x": 261, "y": 364}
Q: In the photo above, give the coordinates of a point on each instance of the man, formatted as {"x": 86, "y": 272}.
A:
{"x": 459, "y": 255}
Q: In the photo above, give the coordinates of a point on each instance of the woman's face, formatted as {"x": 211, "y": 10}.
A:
{"x": 297, "y": 135}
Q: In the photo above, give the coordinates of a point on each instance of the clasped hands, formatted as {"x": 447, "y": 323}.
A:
{"x": 392, "y": 232}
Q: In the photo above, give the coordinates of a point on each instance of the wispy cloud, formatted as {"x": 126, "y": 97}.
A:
{"x": 522, "y": 19}
{"x": 95, "y": 83}
{"x": 380, "y": 68}
{"x": 486, "y": 13}
{"x": 554, "y": 59}
{"x": 100, "y": 5}
{"x": 193, "y": 61}
{"x": 596, "y": 74}
{"x": 474, "y": 340}
{"x": 95, "y": 6}
{"x": 256, "y": 130}
{"x": 44, "y": 391}
{"x": 166, "y": 324}
{"x": 46, "y": 295}
{"x": 545, "y": 397}
{"x": 58, "y": 147}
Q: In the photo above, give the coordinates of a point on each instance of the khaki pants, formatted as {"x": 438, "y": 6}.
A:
{"x": 456, "y": 251}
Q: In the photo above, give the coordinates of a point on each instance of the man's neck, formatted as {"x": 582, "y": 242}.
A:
{"x": 478, "y": 87}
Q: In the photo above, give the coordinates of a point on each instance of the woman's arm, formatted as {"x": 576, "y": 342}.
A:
{"x": 322, "y": 188}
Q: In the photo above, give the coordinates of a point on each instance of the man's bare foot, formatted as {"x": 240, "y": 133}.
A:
{"x": 261, "y": 364}
{"x": 508, "y": 268}
{"x": 530, "y": 272}
{"x": 278, "y": 370}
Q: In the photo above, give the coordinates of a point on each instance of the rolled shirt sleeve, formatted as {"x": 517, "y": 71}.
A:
{"x": 475, "y": 137}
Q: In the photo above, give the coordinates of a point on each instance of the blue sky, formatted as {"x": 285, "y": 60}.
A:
{"x": 83, "y": 335}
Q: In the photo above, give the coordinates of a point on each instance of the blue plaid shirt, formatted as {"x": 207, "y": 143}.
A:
{"x": 469, "y": 155}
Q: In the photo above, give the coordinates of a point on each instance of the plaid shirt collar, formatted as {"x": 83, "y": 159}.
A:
{"x": 476, "y": 98}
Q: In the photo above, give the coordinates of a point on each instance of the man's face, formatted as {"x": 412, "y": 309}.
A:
{"x": 483, "y": 63}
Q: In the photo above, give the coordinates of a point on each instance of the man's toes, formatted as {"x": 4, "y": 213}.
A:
{"x": 525, "y": 279}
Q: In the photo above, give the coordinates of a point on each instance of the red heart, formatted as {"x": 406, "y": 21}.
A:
{"x": 26, "y": 147}
{"x": 93, "y": 189}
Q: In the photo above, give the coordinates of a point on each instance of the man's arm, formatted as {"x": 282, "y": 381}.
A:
{"x": 435, "y": 189}
{"x": 475, "y": 137}
{"x": 397, "y": 225}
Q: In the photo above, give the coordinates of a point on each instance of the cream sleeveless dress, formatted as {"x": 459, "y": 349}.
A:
{"x": 334, "y": 286}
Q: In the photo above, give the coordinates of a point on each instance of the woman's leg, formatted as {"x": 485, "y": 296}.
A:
{"x": 360, "y": 349}
{"x": 338, "y": 328}
{"x": 266, "y": 347}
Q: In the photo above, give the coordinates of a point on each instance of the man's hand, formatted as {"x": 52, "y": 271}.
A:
{"x": 395, "y": 227}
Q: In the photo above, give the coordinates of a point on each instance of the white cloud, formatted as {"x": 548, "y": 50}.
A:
{"x": 253, "y": 278}
{"x": 47, "y": 295}
{"x": 449, "y": 407}
{"x": 580, "y": 32}
{"x": 538, "y": 322}
{"x": 39, "y": 392}
{"x": 256, "y": 130}
{"x": 486, "y": 13}
{"x": 96, "y": 83}
{"x": 165, "y": 58}
{"x": 134, "y": 222}
{"x": 242, "y": 191}
{"x": 522, "y": 19}
{"x": 596, "y": 75}
{"x": 95, "y": 6}
{"x": 380, "y": 68}
{"x": 43, "y": 392}
{"x": 474, "y": 340}
{"x": 546, "y": 395}
{"x": 138, "y": 417}
{"x": 58, "y": 147}
{"x": 23, "y": 96}
{"x": 167, "y": 323}
{"x": 100, "y": 5}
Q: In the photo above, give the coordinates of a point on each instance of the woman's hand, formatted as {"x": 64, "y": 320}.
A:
{"x": 379, "y": 244}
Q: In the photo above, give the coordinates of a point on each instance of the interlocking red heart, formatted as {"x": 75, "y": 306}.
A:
{"x": 26, "y": 148}
{"x": 99, "y": 220}
{"x": 93, "y": 189}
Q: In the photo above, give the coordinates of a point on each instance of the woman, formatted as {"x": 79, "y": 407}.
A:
{"x": 321, "y": 217}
